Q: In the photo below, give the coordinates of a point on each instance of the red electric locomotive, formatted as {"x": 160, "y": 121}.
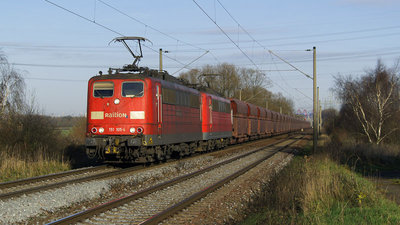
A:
{"x": 141, "y": 115}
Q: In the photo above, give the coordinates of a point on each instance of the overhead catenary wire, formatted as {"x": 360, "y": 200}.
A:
{"x": 329, "y": 58}
{"x": 261, "y": 45}
{"x": 190, "y": 62}
{"x": 109, "y": 29}
{"x": 308, "y": 36}
{"x": 85, "y": 18}
{"x": 286, "y": 82}
{"x": 233, "y": 41}
{"x": 149, "y": 26}
{"x": 52, "y": 79}
{"x": 159, "y": 31}
{"x": 308, "y": 76}
{"x": 237, "y": 46}
{"x": 248, "y": 34}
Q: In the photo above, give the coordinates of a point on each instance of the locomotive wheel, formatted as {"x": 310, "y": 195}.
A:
{"x": 91, "y": 153}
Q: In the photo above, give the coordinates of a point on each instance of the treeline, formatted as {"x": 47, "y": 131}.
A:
{"x": 370, "y": 111}
{"x": 25, "y": 133}
{"x": 241, "y": 83}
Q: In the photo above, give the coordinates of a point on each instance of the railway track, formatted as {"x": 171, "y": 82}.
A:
{"x": 154, "y": 204}
{"x": 51, "y": 181}
{"x": 42, "y": 183}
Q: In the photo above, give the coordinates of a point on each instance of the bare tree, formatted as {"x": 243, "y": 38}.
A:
{"x": 11, "y": 88}
{"x": 191, "y": 76}
{"x": 222, "y": 78}
{"x": 241, "y": 83}
{"x": 373, "y": 100}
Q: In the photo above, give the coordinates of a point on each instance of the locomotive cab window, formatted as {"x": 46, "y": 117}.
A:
{"x": 103, "y": 89}
{"x": 132, "y": 89}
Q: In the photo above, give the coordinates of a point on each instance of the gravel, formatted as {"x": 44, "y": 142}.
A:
{"x": 228, "y": 205}
{"x": 49, "y": 205}
{"x": 53, "y": 180}
{"x": 22, "y": 208}
{"x": 139, "y": 210}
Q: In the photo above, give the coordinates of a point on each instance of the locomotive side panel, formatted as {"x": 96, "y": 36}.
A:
{"x": 181, "y": 115}
{"x": 216, "y": 117}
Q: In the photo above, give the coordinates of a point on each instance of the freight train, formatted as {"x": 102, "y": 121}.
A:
{"x": 138, "y": 115}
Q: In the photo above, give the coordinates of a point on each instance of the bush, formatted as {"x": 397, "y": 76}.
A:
{"x": 78, "y": 132}
{"x": 365, "y": 158}
{"x": 30, "y": 146}
{"x": 30, "y": 132}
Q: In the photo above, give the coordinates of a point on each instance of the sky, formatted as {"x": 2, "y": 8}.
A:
{"x": 57, "y": 45}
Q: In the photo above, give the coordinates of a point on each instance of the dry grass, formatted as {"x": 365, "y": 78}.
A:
{"x": 365, "y": 158}
{"x": 317, "y": 190}
{"x": 15, "y": 165}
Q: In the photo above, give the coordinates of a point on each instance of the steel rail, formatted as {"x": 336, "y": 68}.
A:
{"x": 30, "y": 180}
{"x": 201, "y": 194}
{"x": 121, "y": 201}
{"x": 79, "y": 180}
{"x": 64, "y": 183}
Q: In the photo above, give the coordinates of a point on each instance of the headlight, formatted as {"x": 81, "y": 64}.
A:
{"x": 132, "y": 130}
{"x": 101, "y": 130}
{"x": 140, "y": 130}
{"x": 116, "y": 101}
{"x": 94, "y": 130}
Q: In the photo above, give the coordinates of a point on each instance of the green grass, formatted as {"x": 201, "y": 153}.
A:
{"x": 383, "y": 212}
{"x": 64, "y": 131}
{"x": 316, "y": 190}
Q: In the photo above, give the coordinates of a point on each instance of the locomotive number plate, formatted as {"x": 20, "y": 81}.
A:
{"x": 117, "y": 129}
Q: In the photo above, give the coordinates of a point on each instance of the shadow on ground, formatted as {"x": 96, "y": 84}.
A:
{"x": 76, "y": 154}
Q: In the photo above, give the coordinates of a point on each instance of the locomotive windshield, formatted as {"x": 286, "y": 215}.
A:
{"x": 132, "y": 89}
{"x": 103, "y": 89}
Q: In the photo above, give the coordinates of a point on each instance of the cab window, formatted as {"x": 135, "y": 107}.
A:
{"x": 132, "y": 89}
{"x": 103, "y": 89}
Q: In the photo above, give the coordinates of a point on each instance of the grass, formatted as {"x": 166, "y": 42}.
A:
{"x": 317, "y": 190}
{"x": 365, "y": 158}
{"x": 14, "y": 165}
{"x": 32, "y": 145}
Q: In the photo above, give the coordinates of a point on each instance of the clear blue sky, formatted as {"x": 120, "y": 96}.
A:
{"x": 58, "y": 51}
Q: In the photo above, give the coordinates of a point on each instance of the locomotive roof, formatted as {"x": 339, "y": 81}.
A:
{"x": 146, "y": 73}
{"x": 139, "y": 75}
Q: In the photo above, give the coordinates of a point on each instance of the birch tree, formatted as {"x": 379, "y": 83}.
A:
{"x": 11, "y": 88}
{"x": 373, "y": 100}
